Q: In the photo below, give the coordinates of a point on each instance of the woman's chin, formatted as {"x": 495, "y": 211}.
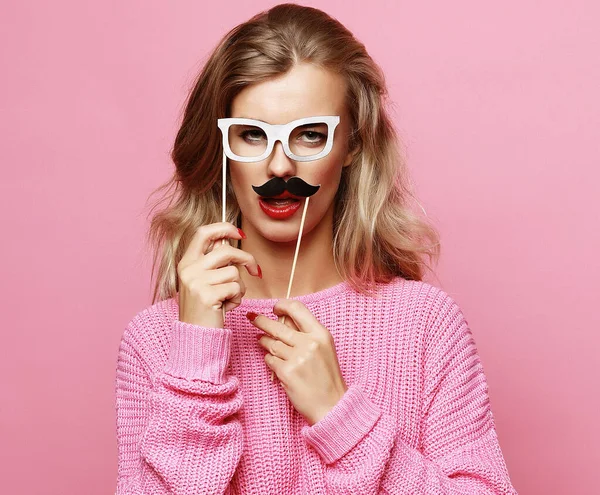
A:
{"x": 280, "y": 233}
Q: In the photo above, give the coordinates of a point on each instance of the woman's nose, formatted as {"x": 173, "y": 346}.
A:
{"x": 279, "y": 164}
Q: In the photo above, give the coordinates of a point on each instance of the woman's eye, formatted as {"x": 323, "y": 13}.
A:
{"x": 314, "y": 136}
{"x": 252, "y": 135}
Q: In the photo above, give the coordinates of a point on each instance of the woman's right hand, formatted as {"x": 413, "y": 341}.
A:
{"x": 206, "y": 282}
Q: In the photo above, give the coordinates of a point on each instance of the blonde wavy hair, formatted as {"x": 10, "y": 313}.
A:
{"x": 376, "y": 236}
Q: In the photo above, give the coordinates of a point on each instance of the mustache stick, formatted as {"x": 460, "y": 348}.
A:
{"x": 294, "y": 263}
{"x": 224, "y": 209}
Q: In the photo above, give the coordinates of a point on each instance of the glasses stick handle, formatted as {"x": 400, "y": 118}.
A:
{"x": 224, "y": 210}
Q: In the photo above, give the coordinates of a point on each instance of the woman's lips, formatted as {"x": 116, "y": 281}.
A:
{"x": 278, "y": 212}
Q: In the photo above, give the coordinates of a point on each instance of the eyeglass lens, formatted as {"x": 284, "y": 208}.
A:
{"x": 304, "y": 140}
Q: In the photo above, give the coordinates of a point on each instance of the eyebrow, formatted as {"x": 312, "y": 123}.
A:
{"x": 303, "y": 125}
{"x": 253, "y": 118}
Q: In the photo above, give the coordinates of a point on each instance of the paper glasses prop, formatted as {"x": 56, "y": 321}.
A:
{"x": 244, "y": 141}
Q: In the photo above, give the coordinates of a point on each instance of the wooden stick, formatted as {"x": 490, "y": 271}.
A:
{"x": 224, "y": 209}
{"x": 295, "y": 259}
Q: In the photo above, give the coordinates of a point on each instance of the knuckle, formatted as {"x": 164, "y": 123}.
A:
{"x": 182, "y": 264}
{"x": 183, "y": 278}
{"x": 202, "y": 231}
{"x": 294, "y": 304}
{"x": 218, "y": 246}
{"x": 314, "y": 346}
{"x": 232, "y": 272}
{"x": 285, "y": 374}
{"x": 194, "y": 287}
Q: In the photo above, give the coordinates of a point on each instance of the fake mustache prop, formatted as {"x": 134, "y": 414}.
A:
{"x": 295, "y": 185}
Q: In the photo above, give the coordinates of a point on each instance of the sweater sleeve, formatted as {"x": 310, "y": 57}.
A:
{"x": 177, "y": 430}
{"x": 459, "y": 452}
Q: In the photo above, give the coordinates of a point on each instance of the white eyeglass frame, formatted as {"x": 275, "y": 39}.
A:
{"x": 279, "y": 132}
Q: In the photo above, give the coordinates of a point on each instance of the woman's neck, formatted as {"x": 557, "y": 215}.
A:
{"x": 315, "y": 268}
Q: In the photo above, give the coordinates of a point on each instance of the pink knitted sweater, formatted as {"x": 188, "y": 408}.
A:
{"x": 197, "y": 412}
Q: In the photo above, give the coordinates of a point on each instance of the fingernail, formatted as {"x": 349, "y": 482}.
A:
{"x": 242, "y": 233}
{"x": 259, "y": 271}
{"x": 251, "y": 316}
{"x": 258, "y": 336}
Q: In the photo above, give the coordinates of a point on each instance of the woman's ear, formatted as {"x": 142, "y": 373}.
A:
{"x": 350, "y": 155}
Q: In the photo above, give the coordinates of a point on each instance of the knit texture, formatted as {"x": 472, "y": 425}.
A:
{"x": 197, "y": 412}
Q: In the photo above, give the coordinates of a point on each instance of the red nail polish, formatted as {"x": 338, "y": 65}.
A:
{"x": 259, "y": 271}
{"x": 242, "y": 233}
{"x": 258, "y": 336}
{"x": 251, "y": 316}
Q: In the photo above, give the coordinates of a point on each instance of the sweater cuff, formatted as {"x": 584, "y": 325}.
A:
{"x": 198, "y": 352}
{"x": 344, "y": 426}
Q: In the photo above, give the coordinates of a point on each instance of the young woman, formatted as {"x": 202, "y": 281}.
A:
{"x": 379, "y": 387}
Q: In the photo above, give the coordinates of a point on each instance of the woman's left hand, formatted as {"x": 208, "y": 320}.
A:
{"x": 303, "y": 357}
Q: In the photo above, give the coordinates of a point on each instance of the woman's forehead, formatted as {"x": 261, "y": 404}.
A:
{"x": 301, "y": 92}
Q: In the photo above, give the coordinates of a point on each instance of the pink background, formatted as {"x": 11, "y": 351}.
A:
{"x": 498, "y": 103}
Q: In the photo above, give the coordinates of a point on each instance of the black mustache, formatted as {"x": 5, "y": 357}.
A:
{"x": 295, "y": 185}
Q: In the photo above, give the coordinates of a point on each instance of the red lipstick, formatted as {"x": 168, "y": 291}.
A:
{"x": 280, "y": 212}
